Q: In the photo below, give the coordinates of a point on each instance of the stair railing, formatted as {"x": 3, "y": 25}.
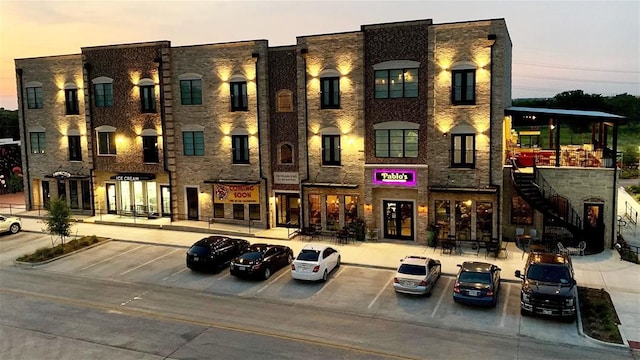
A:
{"x": 548, "y": 192}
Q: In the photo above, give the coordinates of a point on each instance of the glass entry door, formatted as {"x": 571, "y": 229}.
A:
{"x": 594, "y": 226}
{"x": 111, "y": 199}
{"x": 288, "y": 210}
{"x": 399, "y": 218}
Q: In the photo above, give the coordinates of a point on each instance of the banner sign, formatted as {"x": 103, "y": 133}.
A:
{"x": 236, "y": 194}
{"x": 291, "y": 178}
{"x": 394, "y": 177}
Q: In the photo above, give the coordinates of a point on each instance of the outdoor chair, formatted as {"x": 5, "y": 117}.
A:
{"x": 492, "y": 247}
{"x": 562, "y": 250}
{"x": 579, "y": 250}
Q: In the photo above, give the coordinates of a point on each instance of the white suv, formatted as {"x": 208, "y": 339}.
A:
{"x": 417, "y": 275}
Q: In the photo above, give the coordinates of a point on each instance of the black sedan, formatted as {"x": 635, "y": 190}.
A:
{"x": 477, "y": 283}
{"x": 214, "y": 252}
{"x": 261, "y": 260}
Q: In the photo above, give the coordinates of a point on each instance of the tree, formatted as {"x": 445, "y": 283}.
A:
{"x": 58, "y": 219}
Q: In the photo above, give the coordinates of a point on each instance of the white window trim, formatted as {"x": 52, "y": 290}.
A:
{"x": 105, "y": 128}
{"x": 192, "y": 128}
{"x": 330, "y": 131}
{"x": 146, "y": 82}
{"x": 190, "y": 76}
{"x": 329, "y": 73}
{"x": 464, "y": 65}
{"x": 73, "y": 132}
{"x": 36, "y": 128}
{"x": 239, "y": 131}
{"x": 33, "y": 84}
{"x": 149, "y": 132}
{"x": 70, "y": 86}
{"x": 396, "y": 125}
{"x": 396, "y": 64}
{"x": 102, "y": 80}
{"x": 237, "y": 78}
{"x": 463, "y": 128}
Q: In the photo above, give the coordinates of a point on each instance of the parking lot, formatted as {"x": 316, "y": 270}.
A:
{"x": 354, "y": 289}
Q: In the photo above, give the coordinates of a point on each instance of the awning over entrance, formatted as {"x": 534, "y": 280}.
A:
{"x": 222, "y": 181}
{"x": 133, "y": 177}
{"x": 331, "y": 185}
{"x": 66, "y": 175}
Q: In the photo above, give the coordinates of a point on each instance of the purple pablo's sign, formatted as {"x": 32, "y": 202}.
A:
{"x": 394, "y": 177}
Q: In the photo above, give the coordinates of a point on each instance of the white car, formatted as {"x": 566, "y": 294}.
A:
{"x": 315, "y": 262}
{"x": 10, "y": 224}
{"x": 417, "y": 275}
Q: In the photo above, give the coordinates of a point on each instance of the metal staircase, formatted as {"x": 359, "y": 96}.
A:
{"x": 557, "y": 210}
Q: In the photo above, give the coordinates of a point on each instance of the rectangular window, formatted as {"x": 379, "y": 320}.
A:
{"x": 254, "y": 212}
{"x": 397, "y": 143}
{"x": 330, "y": 149}
{"x": 37, "y": 142}
{"x": 75, "y": 151}
{"x": 34, "y": 97}
{"x": 350, "y": 209}
{"x": 106, "y": 143}
{"x": 333, "y": 212}
{"x": 484, "y": 219}
{"x": 150, "y": 149}
{"x": 148, "y": 98}
{"x": 521, "y": 211}
{"x": 218, "y": 211}
{"x": 239, "y": 101}
{"x": 104, "y": 94}
{"x": 396, "y": 83}
{"x": 240, "y": 149}
{"x": 443, "y": 217}
{"x": 238, "y": 211}
{"x": 71, "y": 101}
{"x": 463, "y": 149}
{"x": 463, "y": 87}
{"x": 73, "y": 194}
{"x": 191, "y": 92}
{"x": 314, "y": 210}
{"x": 193, "y": 143}
{"x": 86, "y": 195}
{"x": 330, "y": 93}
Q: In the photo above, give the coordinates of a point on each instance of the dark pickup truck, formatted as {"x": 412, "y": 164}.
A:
{"x": 548, "y": 286}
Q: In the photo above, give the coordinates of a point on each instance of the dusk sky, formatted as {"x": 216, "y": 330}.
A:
{"x": 557, "y": 45}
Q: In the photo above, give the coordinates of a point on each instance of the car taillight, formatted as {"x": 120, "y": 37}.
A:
{"x": 456, "y": 288}
{"x": 395, "y": 280}
{"x": 293, "y": 267}
{"x": 256, "y": 267}
{"x": 489, "y": 292}
{"x": 316, "y": 268}
{"x": 423, "y": 283}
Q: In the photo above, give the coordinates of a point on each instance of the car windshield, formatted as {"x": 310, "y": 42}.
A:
{"x": 546, "y": 273}
{"x": 309, "y": 255}
{"x": 252, "y": 256}
{"x": 412, "y": 269}
{"x": 475, "y": 277}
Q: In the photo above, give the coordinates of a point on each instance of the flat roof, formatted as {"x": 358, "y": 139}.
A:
{"x": 562, "y": 112}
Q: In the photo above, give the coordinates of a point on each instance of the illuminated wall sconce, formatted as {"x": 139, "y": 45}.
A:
{"x": 422, "y": 209}
{"x": 445, "y": 134}
{"x": 255, "y": 56}
{"x": 368, "y": 207}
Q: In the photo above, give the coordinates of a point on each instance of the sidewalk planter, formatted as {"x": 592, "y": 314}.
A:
{"x": 432, "y": 236}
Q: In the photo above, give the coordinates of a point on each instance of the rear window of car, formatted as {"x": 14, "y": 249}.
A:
{"x": 475, "y": 277}
{"x": 252, "y": 256}
{"x": 412, "y": 269}
{"x": 309, "y": 255}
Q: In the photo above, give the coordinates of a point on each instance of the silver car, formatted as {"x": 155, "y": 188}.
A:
{"x": 10, "y": 224}
{"x": 417, "y": 275}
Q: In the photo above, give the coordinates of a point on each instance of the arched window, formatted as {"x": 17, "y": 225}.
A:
{"x": 284, "y": 100}
{"x": 286, "y": 153}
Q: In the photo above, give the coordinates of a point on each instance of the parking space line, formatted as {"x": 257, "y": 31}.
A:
{"x": 504, "y": 306}
{"x": 149, "y": 262}
{"x": 112, "y": 257}
{"x": 380, "y": 292}
{"x": 327, "y": 283}
{"x": 175, "y": 273}
{"x": 272, "y": 281}
{"x": 435, "y": 309}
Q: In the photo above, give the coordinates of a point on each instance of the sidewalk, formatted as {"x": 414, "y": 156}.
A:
{"x": 620, "y": 279}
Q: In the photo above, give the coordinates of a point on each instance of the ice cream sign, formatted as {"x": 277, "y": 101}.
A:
{"x": 394, "y": 177}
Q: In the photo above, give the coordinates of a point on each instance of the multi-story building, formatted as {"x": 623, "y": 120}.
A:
{"x": 404, "y": 126}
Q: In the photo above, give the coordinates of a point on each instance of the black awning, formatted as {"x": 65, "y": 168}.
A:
{"x": 133, "y": 177}
{"x": 331, "y": 185}
{"x": 463, "y": 190}
{"x": 65, "y": 175}
{"x": 222, "y": 181}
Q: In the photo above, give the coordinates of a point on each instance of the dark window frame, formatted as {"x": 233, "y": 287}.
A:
{"x": 75, "y": 147}
{"x": 463, "y": 89}
{"x": 238, "y": 211}
{"x": 464, "y": 153}
{"x": 103, "y": 94}
{"x": 106, "y": 143}
{"x": 197, "y": 142}
{"x": 239, "y": 97}
{"x": 389, "y": 143}
{"x": 254, "y": 212}
{"x": 71, "y": 101}
{"x": 240, "y": 149}
{"x": 35, "y": 97}
{"x": 331, "y": 150}
{"x": 148, "y": 98}
{"x": 407, "y": 91}
{"x": 37, "y": 140}
{"x": 191, "y": 92}
{"x": 330, "y": 92}
{"x": 150, "y": 149}
{"x": 218, "y": 210}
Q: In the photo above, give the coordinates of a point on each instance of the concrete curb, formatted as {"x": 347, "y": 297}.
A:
{"x": 26, "y": 264}
{"x": 593, "y": 340}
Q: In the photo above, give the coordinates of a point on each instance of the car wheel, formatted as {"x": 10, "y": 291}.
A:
{"x": 289, "y": 259}
{"x": 524, "y": 312}
{"x": 267, "y": 273}
{"x": 14, "y": 228}
{"x": 324, "y": 276}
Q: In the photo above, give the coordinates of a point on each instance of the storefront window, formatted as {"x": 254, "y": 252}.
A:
{"x": 125, "y": 196}
{"x": 73, "y": 194}
{"x": 521, "y": 212}
{"x": 138, "y": 195}
{"x": 218, "y": 211}
{"x": 350, "y": 208}
{"x": 152, "y": 197}
{"x": 463, "y": 219}
{"x": 254, "y": 212}
{"x": 443, "y": 213}
{"x": 333, "y": 212}
{"x": 484, "y": 219}
{"x": 314, "y": 210}
{"x": 238, "y": 211}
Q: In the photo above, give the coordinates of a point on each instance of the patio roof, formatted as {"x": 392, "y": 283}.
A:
{"x": 563, "y": 113}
